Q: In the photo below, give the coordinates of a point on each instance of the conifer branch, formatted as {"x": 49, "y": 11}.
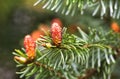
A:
{"x": 75, "y": 7}
{"x": 76, "y": 57}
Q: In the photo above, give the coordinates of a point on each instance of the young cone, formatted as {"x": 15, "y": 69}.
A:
{"x": 29, "y": 45}
{"x": 56, "y": 32}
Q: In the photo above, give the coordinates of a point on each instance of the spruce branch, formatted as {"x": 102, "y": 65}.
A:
{"x": 72, "y": 7}
{"x": 78, "y": 57}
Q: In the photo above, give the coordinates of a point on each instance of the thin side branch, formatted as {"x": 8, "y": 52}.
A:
{"x": 89, "y": 72}
{"x": 50, "y": 69}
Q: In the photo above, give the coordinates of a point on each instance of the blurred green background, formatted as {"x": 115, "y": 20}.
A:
{"x": 20, "y": 17}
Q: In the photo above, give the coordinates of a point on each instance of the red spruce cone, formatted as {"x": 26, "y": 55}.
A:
{"x": 56, "y": 32}
{"x": 29, "y": 45}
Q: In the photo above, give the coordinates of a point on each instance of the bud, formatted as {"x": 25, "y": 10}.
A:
{"x": 29, "y": 45}
{"x": 58, "y": 21}
{"x": 20, "y": 59}
{"x": 115, "y": 27}
{"x": 48, "y": 45}
{"x": 36, "y": 34}
{"x": 56, "y": 33}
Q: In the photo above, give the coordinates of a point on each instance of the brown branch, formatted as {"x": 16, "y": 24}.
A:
{"x": 117, "y": 49}
{"x": 50, "y": 69}
{"x": 118, "y": 52}
{"x": 88, "y": 74}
